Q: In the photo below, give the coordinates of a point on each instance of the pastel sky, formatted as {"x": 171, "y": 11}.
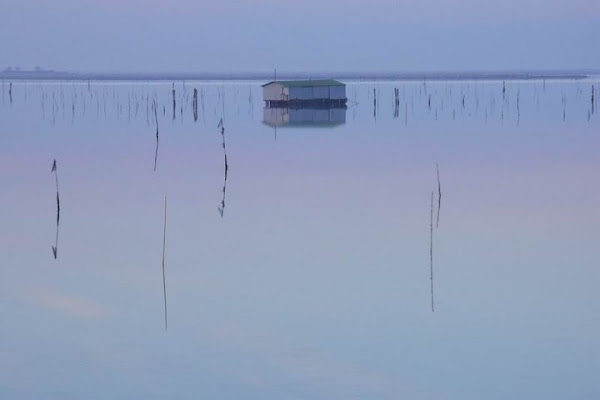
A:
{"x": 311, "y": 35}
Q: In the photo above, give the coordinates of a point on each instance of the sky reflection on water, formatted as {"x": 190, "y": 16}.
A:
{"x": 314, "y": 282}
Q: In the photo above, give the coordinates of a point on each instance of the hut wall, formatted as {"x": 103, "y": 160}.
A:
{"x": 337, "y": 92}
{"x": 301, "y": 93}
{"x": 321, "y": 92}
{"x": 273, "y": 91}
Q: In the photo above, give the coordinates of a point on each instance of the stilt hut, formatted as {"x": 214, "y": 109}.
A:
{"x": 306, "y": 93}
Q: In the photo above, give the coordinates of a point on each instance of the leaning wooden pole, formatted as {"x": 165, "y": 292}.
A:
{"x": 431, "y": 253}
{"x": 592, "y": 99}
{"x": 374, "y": 103}
{"x": 437, "y": 223}
{"x": 163, "y": 262}
{"x": 174, "y": 104}
{"x": 156, "y": 122}
{"x": 55, "y": 247}
{"x": 221, "y": 208}
{"x": 195, "y": 105}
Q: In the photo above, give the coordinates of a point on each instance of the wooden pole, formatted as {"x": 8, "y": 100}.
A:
{"x": 55, "y": 247}
{"x": 163, "y": 263}
{"x": 431, "y": 253}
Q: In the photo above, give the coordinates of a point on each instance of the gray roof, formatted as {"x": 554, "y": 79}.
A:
{"x": 308, "y": 83}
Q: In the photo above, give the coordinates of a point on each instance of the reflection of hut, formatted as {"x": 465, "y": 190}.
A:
{"x": 326, "y": 92}
{"x": 304, "y": 117}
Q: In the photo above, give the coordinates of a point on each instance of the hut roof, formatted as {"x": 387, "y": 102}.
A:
{"x": 308, "y": 83}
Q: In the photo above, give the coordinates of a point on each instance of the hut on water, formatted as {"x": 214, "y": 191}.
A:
{"x": 306, "y": 93}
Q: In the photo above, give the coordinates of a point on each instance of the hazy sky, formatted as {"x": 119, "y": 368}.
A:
{"x": 313, "y": 35}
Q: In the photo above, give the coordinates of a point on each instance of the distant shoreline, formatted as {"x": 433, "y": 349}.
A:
{"x": 407, "y": 76}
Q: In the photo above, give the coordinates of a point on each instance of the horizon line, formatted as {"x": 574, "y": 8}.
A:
{"x": 524, "y": 74}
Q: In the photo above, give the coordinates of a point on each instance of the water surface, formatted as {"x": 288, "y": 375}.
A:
{"x": 306, "y": 273}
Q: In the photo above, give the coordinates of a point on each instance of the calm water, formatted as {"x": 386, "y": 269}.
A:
{"x": 306, "y": 274}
